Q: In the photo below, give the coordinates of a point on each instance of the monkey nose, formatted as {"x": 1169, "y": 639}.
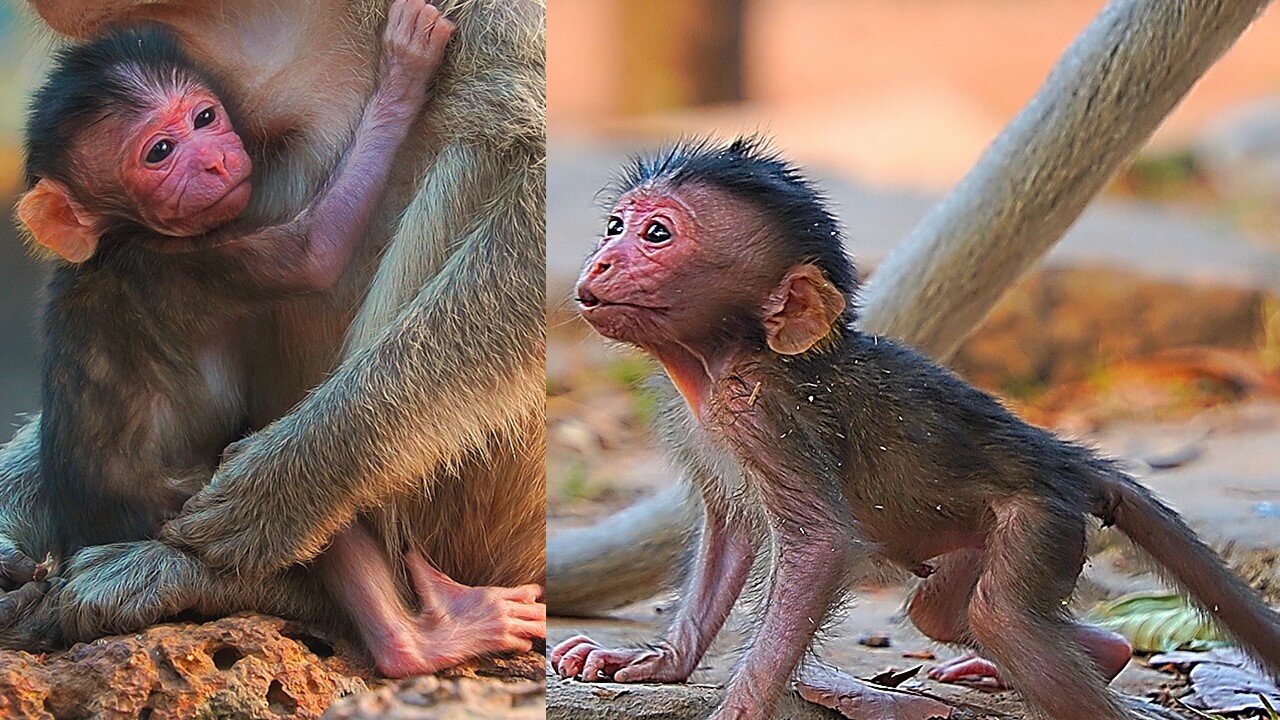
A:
{"x": 217, "y": 164}
{"x": 586, "y": 298}
{"x": 600, "y": 267}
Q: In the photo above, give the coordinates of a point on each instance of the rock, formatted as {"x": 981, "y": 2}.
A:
{"x": 435, "y": 698}
{"x": 247, "y": 667}
{"x": 240, "y": 667}
{"x": 875, "y": 640}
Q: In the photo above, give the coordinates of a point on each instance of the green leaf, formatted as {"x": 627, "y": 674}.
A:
{"x": 1159, "y": 622}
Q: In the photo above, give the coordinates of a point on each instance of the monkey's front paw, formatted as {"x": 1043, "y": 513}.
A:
{"x": 122, "y": 588}
{"x": 582, "y": 657}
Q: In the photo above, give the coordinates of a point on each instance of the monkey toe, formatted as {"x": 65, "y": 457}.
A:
{"x": 563, "y": 648}
{"x": 571, "y": 662}
{"x": 969, "y": 670}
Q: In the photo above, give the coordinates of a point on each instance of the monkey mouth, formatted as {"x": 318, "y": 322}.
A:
{"x": 236, "y": 196}
{"x": 589, "y": 302}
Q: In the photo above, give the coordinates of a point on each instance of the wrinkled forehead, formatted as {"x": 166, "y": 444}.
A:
{"x": 701, "y": 205}
{"x": 153, "y": 86}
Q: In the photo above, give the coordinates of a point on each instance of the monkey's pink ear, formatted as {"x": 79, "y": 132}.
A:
{"x": 56, "y": 222}
{"x": 801, "y": 312}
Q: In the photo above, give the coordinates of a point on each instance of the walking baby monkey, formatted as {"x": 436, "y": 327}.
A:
{"x": 832, "y": 448}
{"x": 138, "y": 177}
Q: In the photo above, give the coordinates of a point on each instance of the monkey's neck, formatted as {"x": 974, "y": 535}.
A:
{"x": 693, "y": 371}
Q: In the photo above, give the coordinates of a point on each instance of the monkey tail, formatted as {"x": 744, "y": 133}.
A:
{"x": 1162, "y": 533}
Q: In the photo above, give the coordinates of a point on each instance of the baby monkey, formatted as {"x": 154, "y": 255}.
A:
{"x": 137, "y": 180}
{"x": 832, "y": 448}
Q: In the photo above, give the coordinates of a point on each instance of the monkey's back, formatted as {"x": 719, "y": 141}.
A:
{"x": 918, "y": 449}
{"x": 135, "y": 409}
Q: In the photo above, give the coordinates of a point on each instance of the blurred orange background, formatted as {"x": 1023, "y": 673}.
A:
{"x": 899, "y": 92}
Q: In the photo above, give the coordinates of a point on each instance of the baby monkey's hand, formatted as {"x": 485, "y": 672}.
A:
{"x": 413, "y": 47}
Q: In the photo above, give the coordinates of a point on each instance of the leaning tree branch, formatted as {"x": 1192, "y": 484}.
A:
{"x": 1110, "y": 90}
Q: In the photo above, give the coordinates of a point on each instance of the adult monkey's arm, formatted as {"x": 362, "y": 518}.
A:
{"x": 431, "y": 386}
{"x": 1103, "y": 99}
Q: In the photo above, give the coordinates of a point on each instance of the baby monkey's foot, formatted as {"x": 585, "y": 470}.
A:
{"x": 969, "y": 670}
{"x": 584, "y": 658}
{"x": 859, "y": 700}
{"x": 459, "y": 623}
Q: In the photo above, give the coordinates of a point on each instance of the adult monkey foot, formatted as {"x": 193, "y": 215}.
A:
{"x": 120, "y": 588}
{"x": 858, "y": 700}
{"x": 26, "y": 623}
{"x": 104, "y": 590}
{"x": 16, "y": 568}
{"x": 457, "y": 623}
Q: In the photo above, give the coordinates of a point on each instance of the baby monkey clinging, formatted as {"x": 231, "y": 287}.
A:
{"x": 724, "y": 263}
{"x": 170, "y": 294}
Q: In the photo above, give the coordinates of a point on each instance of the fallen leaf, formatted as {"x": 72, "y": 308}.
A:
{"x": 894, "y": 678}
{"x": 1158, "y": 622}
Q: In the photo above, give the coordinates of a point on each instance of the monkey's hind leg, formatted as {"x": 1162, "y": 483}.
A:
{"x": 939, "y": 609}
{"x": 1018, "y": 613}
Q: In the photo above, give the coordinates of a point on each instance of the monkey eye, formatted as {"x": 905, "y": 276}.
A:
{"x": 613, "y": 226}
{"x": 160, "y": 151}
{"x": 206, "y": 117}
{"x": 657, "y": 233}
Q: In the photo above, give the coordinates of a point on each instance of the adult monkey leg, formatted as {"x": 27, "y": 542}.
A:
{"x": 278, "y": 501}
{"x": 1102, "y": 100}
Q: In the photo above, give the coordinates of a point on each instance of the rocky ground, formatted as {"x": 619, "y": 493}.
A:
{"x": 251, "y": 667}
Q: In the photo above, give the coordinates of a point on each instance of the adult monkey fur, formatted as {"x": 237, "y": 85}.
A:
{"x": 138, "y": 179}
{"x": 440, "y": 387}
{"x": 829, "y": 449}
{"x": 1115, "y": 84}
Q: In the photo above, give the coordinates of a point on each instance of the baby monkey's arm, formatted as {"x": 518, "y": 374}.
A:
{"x": 311, "y": 252}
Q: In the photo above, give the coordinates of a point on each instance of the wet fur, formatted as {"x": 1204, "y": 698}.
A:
{"x": 906, "y": 461}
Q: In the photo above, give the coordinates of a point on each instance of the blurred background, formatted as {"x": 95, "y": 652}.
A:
{"x": 1151, "y": 330}
{"x": 22, "y": 61}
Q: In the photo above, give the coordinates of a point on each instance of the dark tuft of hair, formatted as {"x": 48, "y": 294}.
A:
{"x": 86, "y": 84}
{"x": 750, "y": 169}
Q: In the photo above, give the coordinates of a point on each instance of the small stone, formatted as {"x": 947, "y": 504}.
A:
{"x": 875, "y": 640}
{"x": 920, "y": 655}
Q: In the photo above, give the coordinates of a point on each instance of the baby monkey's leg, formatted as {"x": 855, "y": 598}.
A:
{"x": 939, "y": 609}
{"x": 1017, "y": 615}
{"x": 455, "y": 623}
